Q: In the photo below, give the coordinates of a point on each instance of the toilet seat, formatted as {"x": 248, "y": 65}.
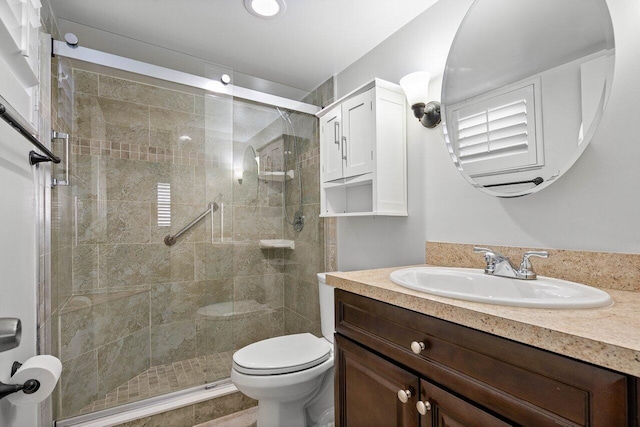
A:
{"x": 282, "y": 355}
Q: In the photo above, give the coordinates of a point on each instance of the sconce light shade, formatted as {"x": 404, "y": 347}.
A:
{"x": 416, "y": 89}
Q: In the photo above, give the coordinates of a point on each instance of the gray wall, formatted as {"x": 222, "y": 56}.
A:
{"x": 592, "y": 207}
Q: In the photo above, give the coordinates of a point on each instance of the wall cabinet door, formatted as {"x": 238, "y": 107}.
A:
{"x": 358, "y": 134}
{"x": 331, "y": 145}
{"x": 367, "y": 389}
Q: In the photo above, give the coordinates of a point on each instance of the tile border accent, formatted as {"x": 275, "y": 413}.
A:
{"x": 116, "y": 150}
{"x": 600, "y": 269}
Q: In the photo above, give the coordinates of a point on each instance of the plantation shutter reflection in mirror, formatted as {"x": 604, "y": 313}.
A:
{"x": 497, "y": 133}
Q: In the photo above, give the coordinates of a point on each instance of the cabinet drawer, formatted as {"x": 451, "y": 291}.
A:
{"x": 527, "y": 385}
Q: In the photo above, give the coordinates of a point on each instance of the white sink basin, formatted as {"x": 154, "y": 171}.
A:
{"x": 473, "y": 285}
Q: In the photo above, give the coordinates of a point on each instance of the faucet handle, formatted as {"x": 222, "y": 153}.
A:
{"x": 526, "y": 269}
{"x": 478, "y": 249}
{"x": 539, "y": 254}
{"x": 489, "y": 253}
{"x": 490, "y": 257}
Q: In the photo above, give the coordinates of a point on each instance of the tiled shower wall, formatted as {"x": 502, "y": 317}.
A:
{"x": 130, "y": 302}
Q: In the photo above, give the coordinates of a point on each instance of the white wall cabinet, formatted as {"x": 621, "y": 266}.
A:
{"x": 363, "y": 165}
{"x": 19, "y": 47}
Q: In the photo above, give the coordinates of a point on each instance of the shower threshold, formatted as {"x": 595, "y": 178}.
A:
{"x": 200, "y": 373}
{"x": 151, "y": 406}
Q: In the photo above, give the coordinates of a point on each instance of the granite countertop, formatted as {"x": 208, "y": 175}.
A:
{"x": 608, "y": 337}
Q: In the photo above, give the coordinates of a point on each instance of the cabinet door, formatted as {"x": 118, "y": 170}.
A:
{"x": 367, "y": 388}
{"x": 331, "y": 145}
{"x": 358, "y": 134}
{"x": 447, "y": 410}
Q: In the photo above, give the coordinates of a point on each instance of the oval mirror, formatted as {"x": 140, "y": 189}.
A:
{"x": 524, "y": 88}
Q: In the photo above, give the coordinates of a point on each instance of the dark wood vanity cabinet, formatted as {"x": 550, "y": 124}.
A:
{"x": 370, "y": 386}
{"x": 462, "y": 377}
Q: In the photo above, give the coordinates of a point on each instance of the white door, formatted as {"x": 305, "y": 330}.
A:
{"x": 358, "y": 134}
{"x": 331, "y": 145}
{"x": 18, "y": 262}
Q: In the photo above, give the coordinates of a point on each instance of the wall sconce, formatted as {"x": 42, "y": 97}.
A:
{"x": 416, "y": 88}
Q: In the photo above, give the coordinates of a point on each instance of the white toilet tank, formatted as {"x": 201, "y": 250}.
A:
{"x": 327, "y": 310}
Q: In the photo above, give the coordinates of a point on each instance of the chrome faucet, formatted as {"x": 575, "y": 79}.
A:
{"x": 500, "y": 265}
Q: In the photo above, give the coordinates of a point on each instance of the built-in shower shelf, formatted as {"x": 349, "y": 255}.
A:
{"x": 233, "y": 309}
{"x": 276, "y": 176}
{"x": 277, "y": 243}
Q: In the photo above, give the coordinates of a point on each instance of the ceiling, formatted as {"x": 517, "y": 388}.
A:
{"x": 313, "y": 40}
{"x": 552, "y": 32}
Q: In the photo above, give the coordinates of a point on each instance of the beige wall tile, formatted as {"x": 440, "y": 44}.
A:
{"x": 214, "y": 261}
{"x": 173, "y": 302}
{"x": 305, "y": 261}
{"x": 127, "y": 222}
{"x": 265, "y": 289}
{"x": 110, "y": 120}
{"x": 123, "y": 359}
{"x": 127, "y": 265}
{"x": 79, "y": 384}
{"x": 135, "y": 181}
{"x": 296, "y": 324}
{"x": 250, "y": 329}
{"x": 214, "y": 335}
{"x": 85, "y": 82}
{"x": 181, "y": 131}
{"x": 173, "y": 341}
{"x": 129, "y": 91}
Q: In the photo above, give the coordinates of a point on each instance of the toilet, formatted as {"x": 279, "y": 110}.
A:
{"x": 291, "y": 376}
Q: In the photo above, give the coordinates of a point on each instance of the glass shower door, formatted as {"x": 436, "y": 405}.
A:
{"x": 148, "y": 158}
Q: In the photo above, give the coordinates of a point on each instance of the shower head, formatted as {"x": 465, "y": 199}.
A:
{"x": 285, "y": 115}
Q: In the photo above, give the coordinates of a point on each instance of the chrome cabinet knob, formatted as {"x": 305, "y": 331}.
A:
{"x": 417, "y": 347}
{"x": 404, "y": 395}
{"x": 423, "y": 407}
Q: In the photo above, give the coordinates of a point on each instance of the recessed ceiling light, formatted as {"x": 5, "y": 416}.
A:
{"x": 265, "y": 8}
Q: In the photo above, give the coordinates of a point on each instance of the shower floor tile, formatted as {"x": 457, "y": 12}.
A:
{"x": 164, "y": 379}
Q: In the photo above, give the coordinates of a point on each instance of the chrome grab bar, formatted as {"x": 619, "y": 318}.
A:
{"x": 171, "y": 240}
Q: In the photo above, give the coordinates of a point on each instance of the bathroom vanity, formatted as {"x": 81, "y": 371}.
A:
{"x": 408, "y": 359}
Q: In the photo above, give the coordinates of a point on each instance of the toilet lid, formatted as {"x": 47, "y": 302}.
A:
{"x": 282, "y": 355}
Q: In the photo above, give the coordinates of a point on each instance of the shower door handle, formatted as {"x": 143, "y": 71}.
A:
{"x": 65, "y": 136}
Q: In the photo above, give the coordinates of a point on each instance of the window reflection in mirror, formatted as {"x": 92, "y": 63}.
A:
{"x": 525, "y": 85}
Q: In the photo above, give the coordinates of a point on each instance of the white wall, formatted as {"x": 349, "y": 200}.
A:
{"x": 595, "y": 206}
{"x": 18, "y": 261}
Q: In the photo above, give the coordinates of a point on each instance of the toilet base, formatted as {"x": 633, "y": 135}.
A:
{"x": 279, "y": 414}
{"x": 319, "y": 411}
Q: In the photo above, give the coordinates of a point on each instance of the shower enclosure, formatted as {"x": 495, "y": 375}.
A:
{"x": 134, "y": 317}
